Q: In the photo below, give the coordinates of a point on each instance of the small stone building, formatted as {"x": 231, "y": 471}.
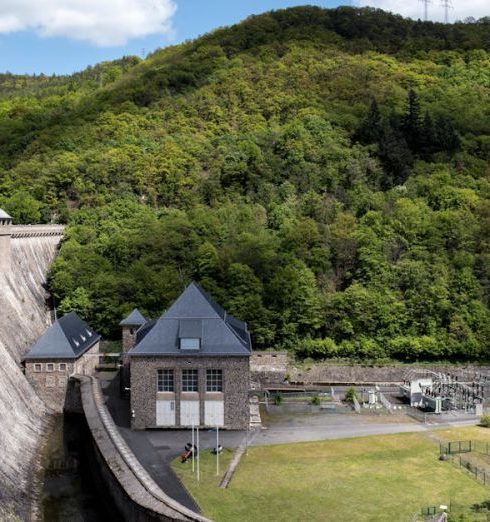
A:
{"x": 68, "y": 347}
{"x": 191, "y": 367}
{"x": 130, "y": 326}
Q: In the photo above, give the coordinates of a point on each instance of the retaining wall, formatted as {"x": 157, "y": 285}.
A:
{"x": 358, "y": 374}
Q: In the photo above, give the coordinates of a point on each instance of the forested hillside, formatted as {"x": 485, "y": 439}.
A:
{"x": 325, "y": 174}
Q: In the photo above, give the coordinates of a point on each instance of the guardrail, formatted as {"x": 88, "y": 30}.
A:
{"x": 130, "y": 459}
{"x": 19, "y": 231}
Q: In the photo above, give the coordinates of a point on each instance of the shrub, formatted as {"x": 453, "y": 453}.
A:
{"x": 351, "y": 393}
{"x": 485, "y": 421}
{"x": 315, "y": 401}
{"x": 277, "y": 399}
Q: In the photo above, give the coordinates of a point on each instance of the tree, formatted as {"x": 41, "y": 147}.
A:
{"x": 412, "y": 122}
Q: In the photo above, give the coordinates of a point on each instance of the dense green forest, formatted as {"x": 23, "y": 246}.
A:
{"x": 325, "y": 174}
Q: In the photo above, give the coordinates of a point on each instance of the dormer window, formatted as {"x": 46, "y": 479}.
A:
{"x": 190, "y": 343}
{"x": 190, "y": 334}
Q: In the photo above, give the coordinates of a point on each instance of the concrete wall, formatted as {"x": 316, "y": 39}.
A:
{"x": 346, "y": 374}
{"x": 51, "y": 385}
{"x": 236, "y": 384}
{"x": 135, "y": 494}
{"x": 24, "y": 317}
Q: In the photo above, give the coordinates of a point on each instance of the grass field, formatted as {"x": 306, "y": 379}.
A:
{"x": 389, "y": 477}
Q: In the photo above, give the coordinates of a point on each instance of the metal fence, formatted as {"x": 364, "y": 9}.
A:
{"x": 464, "y": 446}
{"x": 459, "y": 453}
{"x": 479, "y": 473}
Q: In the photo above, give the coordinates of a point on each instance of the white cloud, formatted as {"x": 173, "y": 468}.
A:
{"x": 101, "y": 22}
{"x": 415, "y": 8}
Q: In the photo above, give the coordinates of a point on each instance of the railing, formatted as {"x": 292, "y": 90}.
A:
{"x": 19, "y": 231}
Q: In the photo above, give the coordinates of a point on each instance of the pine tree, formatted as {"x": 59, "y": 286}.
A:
{"x": 370, "y": 130}
{"x": 428, "y": 143}
{"x": 394, "y": 153}
{"x": 412, "y": 122}
{"x": 447, "y": 139}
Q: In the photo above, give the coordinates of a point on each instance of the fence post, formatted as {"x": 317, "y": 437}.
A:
{"x": 460, "y": 460}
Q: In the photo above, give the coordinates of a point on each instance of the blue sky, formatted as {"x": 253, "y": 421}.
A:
{"x": 26, "y": 51}
{"x": 63, "y": 36}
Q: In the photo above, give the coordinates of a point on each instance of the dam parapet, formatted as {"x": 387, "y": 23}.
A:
{"x": 134, "y": 492}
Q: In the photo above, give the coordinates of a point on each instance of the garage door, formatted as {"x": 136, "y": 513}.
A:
{"x": 165, "y": 413}
{"x": 214, "y": 413}
{"x": 189, "y": 413}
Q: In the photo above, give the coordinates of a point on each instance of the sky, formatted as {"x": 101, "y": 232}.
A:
{"x": 64, "y": 36}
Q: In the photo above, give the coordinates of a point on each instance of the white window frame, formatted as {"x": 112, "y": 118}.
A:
{"x": 214, "y": 380}
{"x": 186, "y": 379}
{"x": 165, "y": 376}
{"x": 62, "y": 367}
{"x": 38, "y": 367}
{"x": 50, "y": 367}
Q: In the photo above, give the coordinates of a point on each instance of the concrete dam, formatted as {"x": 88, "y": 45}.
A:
{"x": 26, "y": 253}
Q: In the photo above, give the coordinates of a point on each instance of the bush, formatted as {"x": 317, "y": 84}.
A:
{"x": 277, "y": 399}
{"x": 315, "y": 401}
{"x": 351, "y": 394}
{"x": 485, "y": 421}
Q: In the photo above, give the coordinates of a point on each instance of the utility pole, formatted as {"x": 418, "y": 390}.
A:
{"x": 426, "y": 9}
{"x": 447, "y": 4}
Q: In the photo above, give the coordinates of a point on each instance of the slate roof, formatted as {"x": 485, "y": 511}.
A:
{"x": 67, "y": 338}
{"x": 4, "y": 215}
{"x": 194, "y": 314}
{"x": 135, "y": 318}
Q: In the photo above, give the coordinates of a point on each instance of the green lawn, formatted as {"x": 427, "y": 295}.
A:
{"x": 365, "y": 479}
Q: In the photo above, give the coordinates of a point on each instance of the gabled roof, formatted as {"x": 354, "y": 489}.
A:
{"x": 67, "y": 338}
{"x": 135, "y": 318}
{"x": 194, "y": 314}
{"x": 4, "y": 215}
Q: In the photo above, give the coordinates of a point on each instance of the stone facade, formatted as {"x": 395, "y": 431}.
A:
{"x": 236, "y": 383}
{"x": 49, "y": 377}
{"x": 128, "y": 337}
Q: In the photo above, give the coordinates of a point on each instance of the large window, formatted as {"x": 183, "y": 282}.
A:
{"x": 190, "y": 343}
{"x": 214, "y": 380}
{"x": 189, "y": 381}
{"x": 165, "y": 380}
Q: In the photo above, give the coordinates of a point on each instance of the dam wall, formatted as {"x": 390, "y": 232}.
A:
{"x": 23, "y": 318}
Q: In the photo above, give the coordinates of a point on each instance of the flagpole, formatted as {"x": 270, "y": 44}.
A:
{"x": 198, "y": 456}
{"x": 193, "y": 449}
{"x": 217, "y": 450}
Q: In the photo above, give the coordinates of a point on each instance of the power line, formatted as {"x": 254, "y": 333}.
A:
{"x": 426, "y": 8}
{"x": 447, "y": 4}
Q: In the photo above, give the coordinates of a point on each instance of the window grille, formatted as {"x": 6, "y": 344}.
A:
{"x": 165, "y": 380}
{"x": 189, "y": 381}
{"x": 214, "y": 380}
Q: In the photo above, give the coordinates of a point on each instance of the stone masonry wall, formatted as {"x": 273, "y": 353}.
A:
{"x": 236, "y": 384}
{"x": 51, "y": 386}
{"x": 128, "y": 337}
